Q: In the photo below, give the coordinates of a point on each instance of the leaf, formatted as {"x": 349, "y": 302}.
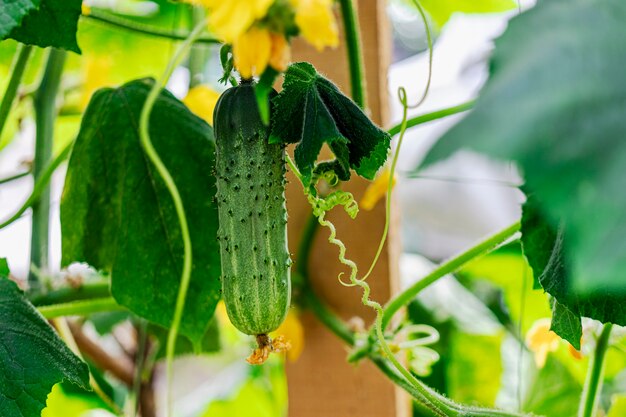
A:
{"x": 117, "y": 215}
{"x": 12, "y": 12}
{"x": 554, "y": 391}
{"x": 546, "y": 252}
{"x": 555, "y": 104}
{"x": 33, "y": 357}
{"x": 442, "y": 10}
{"x": 312, "y": 111}
{"x": 54, "y": 23}
{"x": 262, "y": 92}
{"x": 566, "y": 324}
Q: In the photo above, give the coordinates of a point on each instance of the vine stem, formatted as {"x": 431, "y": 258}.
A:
{"x": 448, "y": 267}
{"x": 80, "y": 308}
{"x": 355, "y": 56}
{"x": 429, "y": 117}
{"x": 153, "y": 155}
{"x": 67, "y": 293}
{"x": 45, "y": 115}
{"x": 110, "y": 19}
{"x": 595, "y": 373}
{"x": 22, "y": 54}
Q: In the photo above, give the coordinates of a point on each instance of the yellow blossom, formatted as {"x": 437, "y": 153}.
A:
{"x": 97, "y": 75}
{"x": 229, "y": 19}
{"x": 252, "y": 51}
{"x": 317, "y": 22}
{"x": 201, "y": 100}
{"x": 541, "y": 341}
{"x": 280, "y": 52}
{"x": 293, "y": 333}
{"x": 376, "y": 190}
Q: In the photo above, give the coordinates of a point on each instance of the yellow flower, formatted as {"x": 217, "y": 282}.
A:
{"x": 201, "y": 100}
{"x": 317, "y": 22}
{"x": 97, "y": 75}
{"x": 281, "y": 53}
{"x": 229, "y": 19}
{"x": 293, "y": 333}
{"x": 252, "y": 51}
{"x": 376, "y": 190}
{"x": 541, "y": 340}
{"x": 257, "y": 48}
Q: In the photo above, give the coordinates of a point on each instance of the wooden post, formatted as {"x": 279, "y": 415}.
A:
{"x": 321, "y": 382}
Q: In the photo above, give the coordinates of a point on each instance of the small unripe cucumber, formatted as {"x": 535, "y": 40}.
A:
{"x": 252, "y": 215}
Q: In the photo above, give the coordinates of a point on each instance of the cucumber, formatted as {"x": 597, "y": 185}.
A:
{"x": 252, "y": 215}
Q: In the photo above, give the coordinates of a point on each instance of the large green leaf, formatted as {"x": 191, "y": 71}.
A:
{"x": 32, "y": 357}
{"x": 554, "y": 391}
{"x": 312, "y": 111}
{"x": 555, "y": 104}
{"x": 441, "y": 10}
{"x": 54, "y": 24}
{"x": 12, "y": 12}
{"x": 117, "y": 215}
{"x": 546, "y": 251}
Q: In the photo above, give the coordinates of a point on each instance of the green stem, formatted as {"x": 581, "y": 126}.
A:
{"x": 85, "y": 291}
{"x": 118, "y": 22}
{"x": 80, "y": 308}
{"x": 448, "y": 267}
{"x": 17, "y": 71}
{"x": 429, "y": 41}
{"x": 41, "y": 185}
{"x": 14, "y": 177}
{"x": 429, "y": 117}
{"x": 45, "y": 115}
{"x": 146, "y": 143}
{"x": 595, "y": 374}
{"x": 355, "y": 56}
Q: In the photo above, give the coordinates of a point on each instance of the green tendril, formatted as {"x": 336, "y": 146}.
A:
{"x": 152, "y": 154}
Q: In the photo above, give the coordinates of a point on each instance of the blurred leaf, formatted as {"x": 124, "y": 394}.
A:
{"x": 554, "y": 392}
{"x": 67, "y": 403}
{"x": 260, "y": 396}
{"x": 54, "y": 24}
{"x": 312, "y": 111}
{"x": 553, "y": 272}
{"x": 12, "y": 12}
{"x": 555, "y": 104}
{"x": 117, "y": 215}
{"x": 618, "y": 406}
{"x": 34, "y": 358}
{"x": 441, "y": 10}
{"x": 472, "y": 378}
{"x": 509, "y": 271}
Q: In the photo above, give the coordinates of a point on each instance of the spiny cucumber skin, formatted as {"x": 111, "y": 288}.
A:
{"x": 252, "y": 215}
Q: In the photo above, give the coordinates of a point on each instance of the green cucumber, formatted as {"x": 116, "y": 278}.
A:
{"x": 252, "y": 215}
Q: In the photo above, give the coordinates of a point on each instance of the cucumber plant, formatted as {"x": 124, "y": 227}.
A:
{"x": 177, "y": 215}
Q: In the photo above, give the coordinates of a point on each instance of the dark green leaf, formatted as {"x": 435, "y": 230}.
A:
{"x": 117, "y": 215}
{"x": 566, "y": 324}
{"x": 54, "y": 24}
{"x": 12, "y": 12}
{"x": 555, "y": 104}
{"x": 312, "y": 111}
{"x": 33, "y": 357}
{"x": 546, "y": 252}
